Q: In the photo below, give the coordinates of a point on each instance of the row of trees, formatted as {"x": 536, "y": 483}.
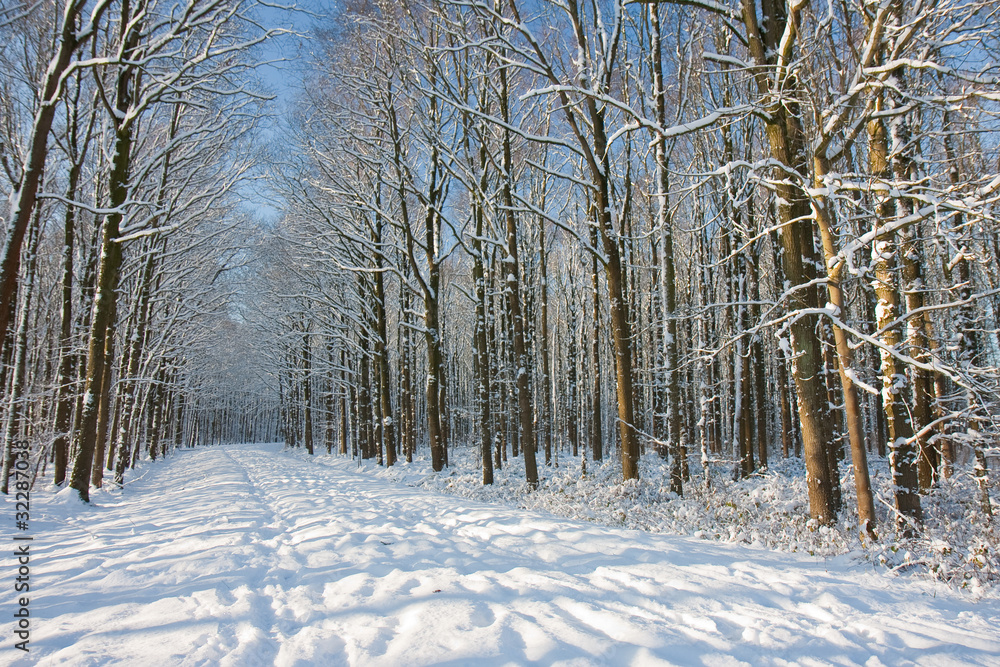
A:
{"x": 721, "y": 232}
{"x": 724, "y": 229}
{"x": 125, "y": 127}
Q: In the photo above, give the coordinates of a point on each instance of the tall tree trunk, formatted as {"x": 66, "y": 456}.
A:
{"x": 913, "y": 295}
{"x": 784, "y": 132}
{"x": 482, "y": 360}
{"x": 388, "y": 425}
{"x": 407, "y": 399}
{"x": 572, "y": 393}
{"x": 546, "y": 379}
{"x": 355, "y": 412}
{"x": 331, "y": 398}
{"x": 307, "y": 433}
{"x": 497, "y": 357}
{"x": 759, "y": 365}
{"x": 160, "y": 400}
{"x": 344, "y": 417}
{"x": 102, "y": 320}
{"x": 430, "y": 284}
{"x": 482, "y": 352}
{"x": 902, "y": 458}
{"x": 435, "y": 363}
{"x": 129, "y": 387}
{"x": 12, "y": 425}
{"x": 104, "y": 410}
{"x": 668, "y": 279}
{"x": 596, "y": 424}
{"x": 593, "y": 143}
{"x": 512, "y": 268}
{"x": 67, "y": 356}
{"x": 366, "y": 436}
{"x": 621, "y": 331}
{"x": 823, "y": 213}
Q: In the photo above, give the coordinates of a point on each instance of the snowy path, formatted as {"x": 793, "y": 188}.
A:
{"x": 242, "y": 556}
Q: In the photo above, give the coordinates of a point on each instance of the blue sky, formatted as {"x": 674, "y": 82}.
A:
{"x": 282, "y": 76}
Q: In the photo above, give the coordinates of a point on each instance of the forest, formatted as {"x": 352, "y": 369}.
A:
{"x": 713, "y": 234}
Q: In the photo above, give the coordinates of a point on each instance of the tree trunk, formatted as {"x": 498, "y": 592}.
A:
{"x": 128, "y": 384}
{"x": 902, "y": 458}
{"x": 331, "y": 398}
{"x": 784, "y": 132}
{"x": 307, "y": 433}
{"x": 546, "y": 378}
{"x": 388, "y": 426}
{"x": 593, "y": 144}
{"x": 822, "y": 213}
{"x": 105, "y": 298}
{"x": 12, "y": 425}
{"x": 759, "y": 365}
{"x": 67, "y": 357}
{"x": 667, "y": 272}
{"x": 366, "y": 436}
{"x": 408, "y": 402}
{"x": 512, "y": 285}
{"x": 482, "y": 353}
{"x": 343, "y": 401}
{"x": 572, "y": 390}
{"x": 596, "y": 424}
{"x": 105, "y": 391}
{"x": 621, "y": 332}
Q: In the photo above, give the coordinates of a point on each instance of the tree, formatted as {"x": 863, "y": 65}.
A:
{"x": 73, "y": 35}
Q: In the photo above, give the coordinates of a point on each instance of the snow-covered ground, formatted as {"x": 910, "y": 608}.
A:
{"x": 244, "y": 555}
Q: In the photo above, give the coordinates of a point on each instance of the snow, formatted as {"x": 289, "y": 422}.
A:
{"x": 785, "y": 346}
{"x": 246, "y": 555}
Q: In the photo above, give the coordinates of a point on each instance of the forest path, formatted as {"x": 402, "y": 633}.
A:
{"x": 242, "y": 555}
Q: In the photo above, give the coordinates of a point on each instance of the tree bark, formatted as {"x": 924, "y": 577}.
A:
{"x": 667, "y": 272}
{"x": 823, "y": 213}
{"x": 127, "y": 395}
{"x": 105, "y": 298}
{"x": 12, "y": 425}
{"x": 512, "y": 285}
{"x": 596, "y": 423}
{"x": 784, "y": 132}
{"x": 307, "y": 433}
{"x": 546, "y": 379}
{"x": 902, "y": 458}
{"x": 388, "y": 426}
